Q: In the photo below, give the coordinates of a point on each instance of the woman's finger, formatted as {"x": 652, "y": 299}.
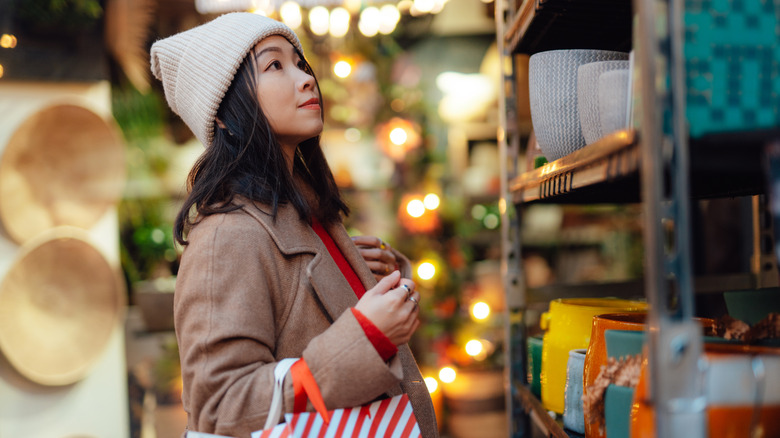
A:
{"x": 370, "y": 241}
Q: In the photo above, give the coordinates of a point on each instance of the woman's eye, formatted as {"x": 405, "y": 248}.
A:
{"x": 275, "y": 65}
{"x": 302, "y": 65}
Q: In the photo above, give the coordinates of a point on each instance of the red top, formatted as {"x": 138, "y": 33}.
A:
{"x": 383, "y": 345}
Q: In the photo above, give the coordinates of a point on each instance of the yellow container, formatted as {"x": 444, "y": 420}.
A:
{"x": 567, "y": 326}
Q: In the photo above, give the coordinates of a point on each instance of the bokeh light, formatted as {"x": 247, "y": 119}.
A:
{"x": 319, "y": 18}
{"x": 353, "y": 135}
{"x": 474, "y": 347}
{"x": 389, "y": 17}
{"x": 342, "y": 69}
{"x": 480, "y": 310}
{"x": 491, "y": 221}
{"x": 478, "y": 212}
{"x": 370, "y": 20}
{"x": 7, "y": 41}
{"x": 447, "y": 374}
{"x": 431, "y": 201}
{"x": 415, "y": 208}
{"x": 398, "y": 136}
{"x": 432, "y": 384}
{"x": 426, "y": 270}
{"x": 339, "y": 22}
{"x": 291, "y": 14}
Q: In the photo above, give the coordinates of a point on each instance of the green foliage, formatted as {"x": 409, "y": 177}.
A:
{"x": 64, "y": 15}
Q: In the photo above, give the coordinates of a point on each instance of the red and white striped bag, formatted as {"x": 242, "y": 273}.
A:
{"x": 391, "y": 417}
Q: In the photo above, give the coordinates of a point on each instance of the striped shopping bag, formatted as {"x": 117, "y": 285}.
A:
{"x": 391, "y": 417}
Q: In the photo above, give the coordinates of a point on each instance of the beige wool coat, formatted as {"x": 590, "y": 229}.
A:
{"x": 252, "y": 291}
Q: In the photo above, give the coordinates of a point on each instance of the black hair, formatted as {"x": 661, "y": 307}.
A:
{"x": 245, "y": 158}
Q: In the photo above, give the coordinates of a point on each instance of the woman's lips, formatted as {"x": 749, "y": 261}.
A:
{"x": 311, "y": 104}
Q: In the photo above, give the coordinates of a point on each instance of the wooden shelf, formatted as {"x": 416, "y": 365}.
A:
{"x": 538, "y": 414}
{"x": 581, "y": 176}
{"x": 607, "y": 171}
{"x": 541, "y": 25}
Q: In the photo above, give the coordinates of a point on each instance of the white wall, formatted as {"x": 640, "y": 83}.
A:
{"x": 97, "y": 405}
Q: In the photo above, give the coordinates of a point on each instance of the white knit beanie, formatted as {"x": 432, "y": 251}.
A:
{"x": 197, "y": 66}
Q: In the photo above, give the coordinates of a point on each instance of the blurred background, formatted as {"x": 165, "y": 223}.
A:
{"x": 93, "y": 167}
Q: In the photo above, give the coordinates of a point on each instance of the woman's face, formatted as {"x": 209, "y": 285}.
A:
{"x": 287, "y": 94}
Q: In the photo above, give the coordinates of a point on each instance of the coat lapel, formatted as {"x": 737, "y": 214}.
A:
{"x": 294, "y": 236}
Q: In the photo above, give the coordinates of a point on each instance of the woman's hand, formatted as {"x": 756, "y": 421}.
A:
{"x": 392, "y": 305}
{"x": 378, "y": 255}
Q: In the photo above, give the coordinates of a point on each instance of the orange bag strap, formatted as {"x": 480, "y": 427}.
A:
{"x": 303, "y": 385}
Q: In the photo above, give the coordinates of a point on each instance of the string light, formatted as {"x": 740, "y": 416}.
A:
{"x": 431, "y": 201}
{"x": 424, "y": 6}
{"x": 447, "y": 374}
{"x": 398, "y": 136}
{"x": 369, "y": 22}
{"x": 342, "y": 69}
{"x": 432, "y": 384}
{"x": 291, "y": 14}
{"x": 480, "y": 310}
{"x": 415, "y": 208}
{"x": 426, "y": 270}
{"x": 474, "y": 348}
{"x": 319, "y": 18}
{"x": 389, "y": 18}
{"x": 339, "y": 22}
{"x": 7, "y": 41}
{"x": 1, "y": 70}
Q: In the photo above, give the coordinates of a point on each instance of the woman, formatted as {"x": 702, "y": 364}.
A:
{"x": 268, "y": 271}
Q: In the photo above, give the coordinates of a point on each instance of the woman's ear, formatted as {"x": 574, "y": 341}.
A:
{"x": 219, "y": 123}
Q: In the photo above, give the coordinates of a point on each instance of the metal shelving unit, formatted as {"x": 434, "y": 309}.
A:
{"x": 657, "y": 165}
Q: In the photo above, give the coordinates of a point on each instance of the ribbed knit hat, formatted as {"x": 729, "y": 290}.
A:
{"x": 197, "y": 66}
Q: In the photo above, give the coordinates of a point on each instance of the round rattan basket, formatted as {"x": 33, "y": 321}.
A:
{"x": 59, "y": 305}
{"x": 63, "y": 165}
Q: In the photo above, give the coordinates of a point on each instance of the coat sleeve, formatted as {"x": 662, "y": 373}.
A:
{"x": 233, "y": 289}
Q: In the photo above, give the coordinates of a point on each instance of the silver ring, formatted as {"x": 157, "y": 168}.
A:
{"x": 413, "y": 300}
{"x": 408, "y": 291}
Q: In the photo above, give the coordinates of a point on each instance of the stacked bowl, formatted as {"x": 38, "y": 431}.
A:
{"x": 554, "y": 97}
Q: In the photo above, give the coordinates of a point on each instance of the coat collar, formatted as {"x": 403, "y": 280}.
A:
{"x": 294, "y": 236}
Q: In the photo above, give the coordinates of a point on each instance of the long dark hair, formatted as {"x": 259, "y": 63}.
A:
{"x": 245, "y": 158}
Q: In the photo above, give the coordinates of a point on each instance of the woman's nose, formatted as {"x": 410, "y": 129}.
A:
{"x": 306, "y": 81}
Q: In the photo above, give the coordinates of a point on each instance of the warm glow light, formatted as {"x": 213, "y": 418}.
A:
{"x": 415, "y": 208}
{"x": 480, "y": 310}
{"x": 353, "y": 6}
{"x": 318, "y": 20}
{"x": 339, "y": 22}
{"x": 1, "y": 70}
{"x": 424, "y": 5}
{"x": 342, "y": 69}
{"x": 432, "y": 384}
{"x": 370, "y": 20}
{"x": 447, "y": 375}
{"x": 389, "y": 19}
{"x": 398, "y": 136}
{"x": 7, "y": 41}
{"x": 291, "y": 14}
{"x": 437, "y": 6}
{"x": 473, "y": 347}
{"x": 431, "y": 201}
{"x": 405, "y": 6}
{"x": 426, "y": 271}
